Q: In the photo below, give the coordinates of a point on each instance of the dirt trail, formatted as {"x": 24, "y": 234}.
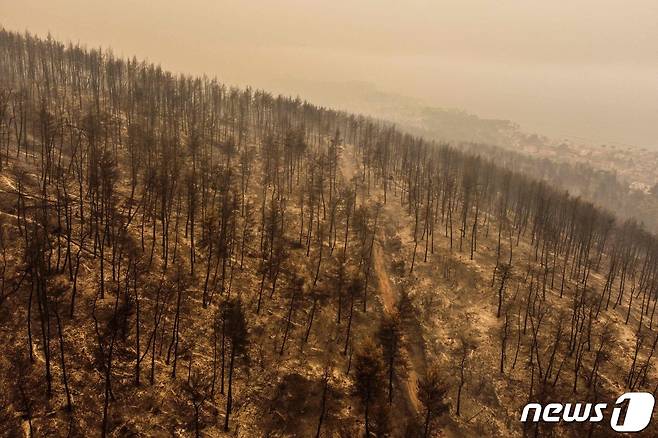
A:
{"x": 383, "y": 282}
{"x": 387, "y": 292}
{"x": 389, "y": 299}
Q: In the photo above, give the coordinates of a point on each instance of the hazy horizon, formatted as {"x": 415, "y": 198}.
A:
{"x": 587, "y": 69}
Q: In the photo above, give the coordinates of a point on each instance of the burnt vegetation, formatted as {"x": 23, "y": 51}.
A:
{"x": 178, "y": 256}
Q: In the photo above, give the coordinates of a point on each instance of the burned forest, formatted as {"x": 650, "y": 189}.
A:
{"x": 179, "y": 257}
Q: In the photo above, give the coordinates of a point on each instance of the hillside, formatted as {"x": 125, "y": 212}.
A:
{"x": 619, "y": 178}
{"x": 180, "y": 258}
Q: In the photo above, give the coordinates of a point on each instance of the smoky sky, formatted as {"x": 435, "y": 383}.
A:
{"x": 581, "y": 68}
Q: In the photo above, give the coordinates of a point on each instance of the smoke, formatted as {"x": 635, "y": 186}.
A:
{"x": 587, "y": 68}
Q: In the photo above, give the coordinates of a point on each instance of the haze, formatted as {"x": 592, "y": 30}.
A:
{"x": 586, "y": 69}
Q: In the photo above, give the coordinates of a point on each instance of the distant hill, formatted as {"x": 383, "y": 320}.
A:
{"x": 617, "y": 178}
{"x": 450, "y": 125}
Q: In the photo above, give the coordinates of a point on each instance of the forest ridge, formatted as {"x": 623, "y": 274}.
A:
{"x": 182, "y": 257}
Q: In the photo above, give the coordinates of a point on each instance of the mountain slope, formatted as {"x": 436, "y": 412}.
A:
{"x": 183, "y": 258}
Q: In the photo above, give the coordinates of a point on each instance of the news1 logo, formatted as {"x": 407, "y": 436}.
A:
{"x": 638, "y": 412}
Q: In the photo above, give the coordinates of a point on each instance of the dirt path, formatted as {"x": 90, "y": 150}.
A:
{"x": 389, "y": 299}
{"x": 383, "y": 283}
{"x": 387, "y": 292}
